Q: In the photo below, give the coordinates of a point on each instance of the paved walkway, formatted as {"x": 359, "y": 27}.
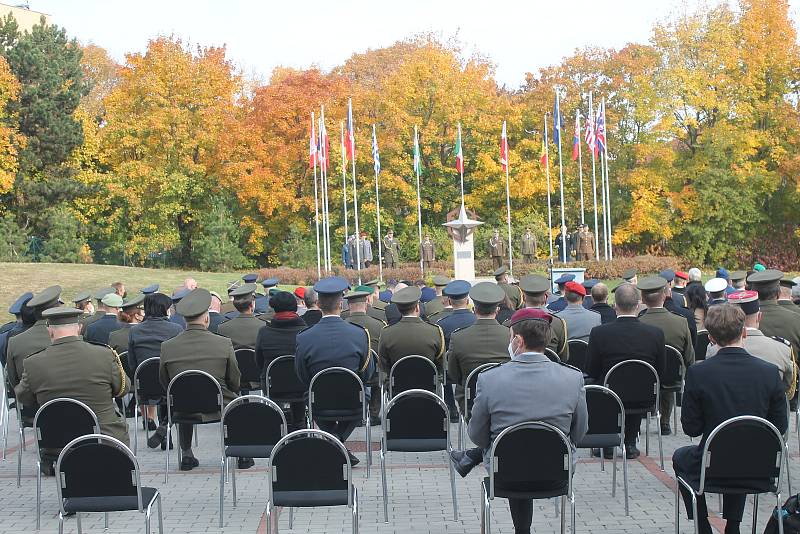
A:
{"x": 419, "y": 496}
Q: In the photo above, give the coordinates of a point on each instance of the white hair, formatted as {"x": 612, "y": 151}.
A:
{"x": 695, "y": 275}
{"x": 796, "y": 289}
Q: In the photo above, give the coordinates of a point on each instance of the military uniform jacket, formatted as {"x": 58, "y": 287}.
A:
{"x": 391, "y": 250}
{"x": 579, "y": 320}
{"x": 514, "y": 294}
{"x": 242, "y": 331}
{"x": 21, "y": 346}
{"x": 370, "y": 324}
{"x": 439, "y": 315}
{"x": 434, "y": 306}
{"x": 528, "y": 244}
{"x": 410, "y": 335}
{"x": 214, "y": 320}
{"x": 118, "y": 339}
{"x": 461, "y": 318}
{"x": 528, "y": 388}
{"x": 558, "y": 335}
{"x": 428, "y": 253}
{"x": 778, "y": 321}
{"x": 333, "y": 342}
{"x": 676, "y": 331}
{"x": 778, "y": 352}
{"x": 486, "y": 341}
{"x": 75, "y": 369}
{"x": 198, "y": 349}
{"x": 789, "y": 305}
{"x": 497, "y": 247}
{"x": 145, "y": 338}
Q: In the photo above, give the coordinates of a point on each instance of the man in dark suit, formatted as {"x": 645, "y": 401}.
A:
{"x": 675, "y": 303}
{"x": 215, "y": 318}
{"x": 600, "y": 303}
{"x": 98, "y": 331}
{"x": 626, "y": 338}
{"x": 731, "y": 384}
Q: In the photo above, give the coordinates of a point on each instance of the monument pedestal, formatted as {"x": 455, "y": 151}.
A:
{"x": 464, "y": 258}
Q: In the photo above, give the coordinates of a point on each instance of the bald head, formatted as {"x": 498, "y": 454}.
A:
{"x": 626, "y": 299}
{"x": 600, "y": 292}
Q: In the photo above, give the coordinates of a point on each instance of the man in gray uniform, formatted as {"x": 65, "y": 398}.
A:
{"x": 579, "y": 320}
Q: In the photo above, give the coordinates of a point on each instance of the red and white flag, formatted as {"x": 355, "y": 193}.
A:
{"x": 504, "y": 149}
{"x": 312, "y": 146}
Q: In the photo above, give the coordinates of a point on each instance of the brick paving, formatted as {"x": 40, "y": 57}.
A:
{"x": 418, "y": 487}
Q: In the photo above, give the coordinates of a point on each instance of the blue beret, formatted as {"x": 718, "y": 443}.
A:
{"x": 23, "y": 299}
{"x": 328, "y": 286}
{"x": 152, "y": 288}
{"x": 565, "y": 278}
{"x": 458, "y": 289}
{"x": 250, "y": 278}
{"x": 178, "y": 295}
{"x": 590, "y": 283}
{"x": 385, "y": 296}
{"x": 722, "y": 272}
{"x": 667, "y": 274}
{"x": 270, "y": 282}
{"x": 428, "y": 294}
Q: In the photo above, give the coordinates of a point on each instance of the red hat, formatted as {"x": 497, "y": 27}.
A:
{"x": 526, "y": 314}
{"x": 300, "y": 292}
{"x": 575, "y": 287}
{"x": 682, "y": 275}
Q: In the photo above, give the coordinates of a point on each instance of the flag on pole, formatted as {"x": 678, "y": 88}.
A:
{"x": 576, "y": 139}
{"x": 543, "y": 154}
{"x": 351, "y": 139}
{"x": 326, "y": 143}
{"x": 600, "y": 132}
{"x": 588, "y": 136}
{"x": 459, "y": 152}
{"x": 376, "y": 158}
{"x": 504, "y": 149}
{"x": 417, "y": 157}
{"x": 312, "y": 147}
{"x": 556, "y": 122}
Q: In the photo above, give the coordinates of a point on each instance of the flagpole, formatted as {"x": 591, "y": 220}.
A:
{"x": 355, "y": 186}
{"x": 417, "y": 162}
{"x": 603, "y": 196}
{"x": 316, "y": 201}
{"x": 508, "y": 202}
{"x": 593, "y": 150}
{"x": 580, "y": 158}
{"x": 561, "y": 185}
{"x": 378, "y": 207}
{"x": 462, "y": 166}
{"x": 608, "y": 186}
{"x": 344, "y": 184}
{"x": 547, "y": 174}
{"x": 324, "y": 183}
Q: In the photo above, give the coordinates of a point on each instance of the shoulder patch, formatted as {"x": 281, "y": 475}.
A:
{"x": 784, "y": 341}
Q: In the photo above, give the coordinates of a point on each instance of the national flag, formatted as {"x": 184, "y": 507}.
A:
{"x": 589, "y": 137}
{"x": 351, "y": 138}
{"x": 556, "y": 122}
{"x": 325, "y": 144}
{"x": 459, "y": 152}
{"x": 600, "y": 129}
{"x": 576, "y": 139}
{"x": 312, "y": 146}
{"x": 504, "y": 148}
{"x": 376, "y": 158}
{"x": 543, "y": 154}
{"x": 417, "y": 158}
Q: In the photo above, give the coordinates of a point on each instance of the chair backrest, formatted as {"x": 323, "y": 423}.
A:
{"x": 338, "y": 390}
{"x": 246, "y": 360}
{"x": 146, "y": 383}
{"x": 282, "y": 379}
{"x": 310, "y": 460}
{"x": 578, "y": 349}
{"x": 635, "y": 381}
{"x": 412, "y": 372}
{"x": 416, "y": 414}
{"x": 742, "y": 448}
{"x": 59, "y": 421}
{"x": 97, "y": 466}
{"x": 530, "y": 453}
{"x": 606, "y": 411}
{"x": 550, "y": 353}
{"x": 471, "y": 385}
{"x": 673, "y": 368}
{"x": 252, "y": 420}
{"x": 194, "y": 391}
{"x": 701, "y": 346}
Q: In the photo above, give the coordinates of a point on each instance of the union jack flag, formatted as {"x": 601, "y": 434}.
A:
{"x": 589, "y": 137}
{"x": 601, "y": 127}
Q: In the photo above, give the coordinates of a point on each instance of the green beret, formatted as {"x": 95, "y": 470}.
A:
{"x": 651, "y": 283}
{"x": 62, "y": 315}
{"x": 407, "y": 295}
{"x": 245, "y": 289}
{"x": 487, "y": 293}
{"x": 194, "y": 304}
{"x": 45, "y": 297}
{"x": 133, "y": 302}
{"x": 533, "y": 283}
{"x": 112, "y": 300}
{"x": 761, "y": 277}
{"x": 440, "y": 280}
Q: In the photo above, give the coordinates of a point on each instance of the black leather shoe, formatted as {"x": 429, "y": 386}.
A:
{"x": 188, "y": 463}
{"x": 595, "y": 453}
{"x": 462, "y": 463}
{"x": 608, "y": 453}
{"x": 354, "y": 461}
{"x": 47, "y": 469}
{"x": 155, "y": 440}
{"x": 245, "y": 463}
{"x": 164, "y": 444}
{"x": 631, "y": 452}
{"x": 151, "y": 425}
{"x": 374, "y": 420}
{"x": 666, "y": 430}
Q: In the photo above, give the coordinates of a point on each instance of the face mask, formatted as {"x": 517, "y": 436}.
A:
{"x": 511, "y": 352}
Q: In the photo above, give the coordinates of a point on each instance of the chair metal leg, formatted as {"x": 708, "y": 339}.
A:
{"x": 460, "y": 434}
{"x": 268, "y": 517}
{"x": 755, "y": 512}
{"x": 647, "y": 435}
{"x": 788, "y": 473}
{"x": 369, "y": 444}
{"x": 779, "y": 504}
{"x": 614, "y": 472}
{"x": 719, "y": 503}
{"x": 572, "y": 505}
{"x": 135, "y": 428}
{"x": 160, "y": 515}
{"x": 78, "y": 519}
{"x": 19, "y": 453}
{"x": 452, "y": 485}
{"x": 383, "y": 483}
{"x": 147, "y": 520}
{"x": 291, "y": 518}
{"x": 222, "y": 490}
{"x": 39, "y": 494}
{"x": 483, "y": 509}
{"x": 675, "y": 414}
{"x": 694, "y": 512}
{"x": 797, "y": 426}
{"x": 105, "y": 519}
{"x": 355, "y": 510}
{"x": 6, "y": 418}
{"x": 625, "y": 477}
{"x": 555, "y": 506}
{"x": 677, "y": 506}
{"x": 233, "y": 482}
{"x": 661, "y": 449}
{"x": 563, "y": 514}
{"x": 166, "y": 454}
{"x": 196, "y": 437}
{"x": 602, "y": 461}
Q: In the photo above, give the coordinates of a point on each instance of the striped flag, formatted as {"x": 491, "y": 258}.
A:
{"x": 543, "y": 154}
{"x": 504, "y": 148}
{"x": 376, "y": 158}
{"x": 576, "y": 139}
{"x": 312, "y": 146}
{"x": 351, "y": 138}
{"x": 556, "y": 122}
{"x": 601, "y": 127}
{"x": 459, "y": 152}
{"x": 325, "y": 143}
{"x": 588, "y": 136}
{"x": 417, "y": 157}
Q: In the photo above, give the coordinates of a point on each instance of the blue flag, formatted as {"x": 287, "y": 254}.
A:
{"x": 556, "y": 122}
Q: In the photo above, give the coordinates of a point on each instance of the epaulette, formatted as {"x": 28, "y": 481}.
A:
{"x": 458, "y": 330}
{"x": 642, "y": 312}
{"x": 101, "y": 345}
{"x": 496, "y": 366}
{"x": 565, "y": 364}
{"x": 784, "y": 341}
{"x": 37, "y": 352}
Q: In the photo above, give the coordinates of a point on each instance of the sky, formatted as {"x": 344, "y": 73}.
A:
{"x": 519, "y": 36}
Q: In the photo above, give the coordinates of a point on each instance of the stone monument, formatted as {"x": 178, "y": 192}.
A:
{"x": 461, "y": 229}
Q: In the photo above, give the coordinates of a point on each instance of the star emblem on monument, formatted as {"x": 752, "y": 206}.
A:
{"x": 463, "y": 225}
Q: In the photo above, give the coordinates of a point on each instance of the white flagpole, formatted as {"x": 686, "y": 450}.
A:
{"x": 323, "y": 200}
{"x": 508, "y": 202}
{"x": 561, "y": 185}
{"x": 547, "y": 174}
{"x": 378, "y": 210}
{"x": 344, "y": 184}
{"x": 608, "y": 187}
{"x": 355, "y": 187}
{"x": 316, "y": 200}
{"x": 594, "y": 181}
{"x": 419, "y": 199}
{"x": 326, "y": 195}
{"x": 603, "y": 198}
{"x": 580, "y": 158}
{"x": 461, "y": 141}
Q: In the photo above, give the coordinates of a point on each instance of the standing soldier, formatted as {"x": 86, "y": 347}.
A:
{"x": 585, "y": 243}
{"x": 358, "y": 301}
{"x": 351, "y": 248}
{"x": 528, "y": 246}
{"x": 366, "y": 250}
{"x": 391, "y": 250}
{"x": 513, "y": 291}
{"x": 497, "y": 249}
{"x": 428, "y": 252}
{"x": 243, "y": 329}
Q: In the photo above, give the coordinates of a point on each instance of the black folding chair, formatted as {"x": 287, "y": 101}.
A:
{"x": 282, "y": 385}
{"x": 192, "y": 392}
{"x": 416, "y": 420}
{"x": 637, "y": 384}
{"x": 246, "y": 360}
{"x": 531, "y": 460}
{"x": 57, "y": 422}
{"x": 98, "y": 473}
{"x": 550, "y": 353}
{"x": 673, "y": 380}
{"x": 469, "y": 399}
{"x": 251, "y": 426}
{"x": 413, "y": 372}
{"x": 606, "y": 430}
{"x": 147, "y": 391}
{"x": 701, "y": 345}
{"x": 310, "y": 468}
{"x": 577, "y": 353}
{"x": 338, "y": 394}
{"x": 743, "y": 455}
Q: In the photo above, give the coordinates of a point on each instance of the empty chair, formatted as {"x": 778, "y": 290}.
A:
{"x": 531, "y": 460}
{"x": 147, "y": 391}
{"x": 412, "y": 372}
{"x": 743, "y": 455}
{"x": 606, "y": 430}
{"x": 416, "y": 421}
{"x": 251, "y": 426}
{"x": 310, "y": 468}
{"x": 672, "y": 383}
{"x": 577, "y": 353}
{"x": 97, "y": 473}
{"x": 282, "y": 385}
{"x": 246, "y": 360}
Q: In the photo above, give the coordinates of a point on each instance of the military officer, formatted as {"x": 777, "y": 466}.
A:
{"x": 358, "y": 302}
{"x": 13, "y": 328}
{"x": 391, "y": 250}
{"x": 679, "y": 288}
{"x": 716, "y": 291}
{"x": 176, "y": 316}
{"x": 261, "y": 300}
{"x": 428, "y": 252}
{"x": 630, "y": 276}
{"x": 774, "y": 350}
{"x": 513, "y": 291}
{"x": 775, "y": 319}
{"x": 738, "y": 280}
{"x": 436, "y": 304}
{"x": 149, "y": 290}
{"x": 785, "y": 295}
{"x": 528, "y": 246}
{"x": 227, "y": 307}
{"x": 535, "y": 289}
{"x": 461, "y": 317}
{"x": 270, "y": 285}
{"x": 556, "y": 302}
{"x": 497, "y": 249}
{"x": 676, "y": 334}
{"x": 83, "y": 302}
{"x": 215, "y": 318}
{"x": 375, "y": 306}
{"x": 99, "y": 312}
{"x": 99, "y": 330}
{"x": 33, "y": 339}
{"x": 198, "y": 349}
{"x": 585, "y": 243}
{"x": 243, "y": 329}
{"x": 72, "y": 368}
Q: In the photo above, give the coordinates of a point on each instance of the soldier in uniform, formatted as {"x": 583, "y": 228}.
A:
{"x": 435, "y": 305}
{"x": 428, "y": 252}
{"x": 83, "y": 302}
{"x": 227, "y": 307}
{"x": 261, "y": 299}
{"x": 528, "y": 246}
{"x": 461, "y": 317}
{"x": 535, "y": 289}
{"x": 566, "y": 254}
{"x": 99, "y": 312}
{"x": 738, "y": 280}
{"x": 497, "y": 249}
{"x": 556, "y": 302}
{"x": 375, "y": 306}
{"x": 391, "y": 250}
{"x": 513, "y": 291}
{"x": 243, "y": 329}
{"x": 366, "y": 250}
{"x": 215, "y": 317}
{"x": 72, "y": 368}
{"x": 629, "y": 275}
{"x": 198, "y": 349}
{"x": 99, "y": 330}
{"x": 176, "y": 316}
{"x": 13, "y": 328}
{"x": 358, "y": 301}
{"x": 785, "y": 295}
{"x": 149, "y": 290}
{"x": 270, "y": 286}
{"x": 585, "y": 243}
{"x": 774, "y": 350}
{"x": 33, "y": 339}
{"x": 130, "y": 315}
{"x": 679, "y": 289}
{"x": 716, "y": 291}
{"x": 676, "y": 334}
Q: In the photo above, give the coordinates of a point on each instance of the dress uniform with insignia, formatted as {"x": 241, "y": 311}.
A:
{"x": 243, "y": 329}
{"x": 461, "y": 317}
{"x": 716, "y": 291}
{"x": 578, "y": 319}
{"x": 497, "y": 250}
{"x": 13, "y": 328}
{"x": 358, "y": 301}
{"x": 391, "y": 250}
{"x": 514, "y": 293}
{"x": 785, "y": 296}
{"x": 270, "y": 286}
{"x": 119, "y": 339}
{"x": 437, "y": 304}
{"x": 428, "y": 252}
{"x": 556, "y": 302}
{"x": 177, "y": 317}
{"x": 535, "y": 289}
{"x": 528, "y": 247}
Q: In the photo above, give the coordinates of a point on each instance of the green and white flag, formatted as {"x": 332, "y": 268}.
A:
{"x": 417, "y": 158}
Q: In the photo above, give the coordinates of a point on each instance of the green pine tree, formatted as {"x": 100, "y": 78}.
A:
{"x": 63, "y": 242}
{"x": 13, "y": 239}
{"x": 216, "y": 246}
